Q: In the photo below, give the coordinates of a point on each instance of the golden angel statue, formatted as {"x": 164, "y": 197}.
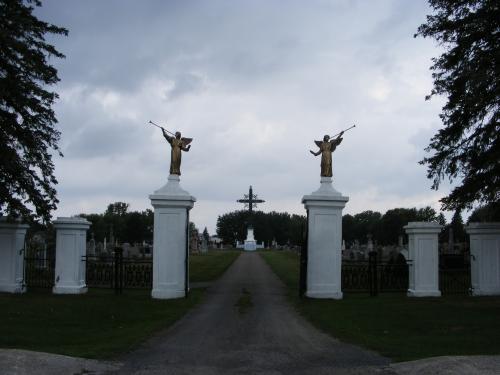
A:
{"x": 326, "y": 147}
{"x": 178, "y": 145}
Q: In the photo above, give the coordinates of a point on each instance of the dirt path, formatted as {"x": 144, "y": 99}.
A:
{"x": 246, "y": 326}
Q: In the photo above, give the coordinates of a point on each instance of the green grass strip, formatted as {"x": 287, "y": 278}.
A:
{"x": 98, "y": 324}
{"x": 209, "y": 266}
{"x": 396, "y": 326}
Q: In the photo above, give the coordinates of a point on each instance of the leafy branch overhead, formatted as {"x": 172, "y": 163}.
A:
{"x": 27, "y": 132}
{"x": 467, "y": 148}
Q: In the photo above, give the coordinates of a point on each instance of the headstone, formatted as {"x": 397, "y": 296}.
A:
{"x": 12, "y": 237}
{"x": 71, "y": 239}
{"x": 423, "y": 253}
{"x": 170, "y": 242}
{"x": 91, "y": 246}
{"x": 485, "y": 258}
{"x": 324, "y": 257}
{"x": 204, "y": 245}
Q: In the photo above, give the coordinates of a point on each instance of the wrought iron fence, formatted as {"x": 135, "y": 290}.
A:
{"x": 454, "y": 273}
{"x": 374, "y": 277}
{"x": 455, "y": 280}
{"x": 39, "y": 272}
{"x": 118, "y": 272}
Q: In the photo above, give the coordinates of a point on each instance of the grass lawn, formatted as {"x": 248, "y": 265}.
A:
{"x": 98, "y": 324}
{"x": 398, "y": 327}
{"x": 209, "y": 266}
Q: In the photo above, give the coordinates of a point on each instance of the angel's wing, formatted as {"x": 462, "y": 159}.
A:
{"x": 186, "y": 141}
{"x": 318, "y": 143}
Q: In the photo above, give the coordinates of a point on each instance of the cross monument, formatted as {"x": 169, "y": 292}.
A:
{"x": 250, "y": 200}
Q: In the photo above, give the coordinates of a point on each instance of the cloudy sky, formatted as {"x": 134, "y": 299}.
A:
{"x": 254, "y": 83}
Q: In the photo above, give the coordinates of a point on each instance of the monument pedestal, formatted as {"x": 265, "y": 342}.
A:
{"x": 250, "y": 244}
{"x": 423, "y": 252}
{"x": 485, "y": 258}
{"x": 12, "y": 256}
{"x": 71, "y": 243}
{"x": 170, "y": 239}
{"x": 324, "y": 243}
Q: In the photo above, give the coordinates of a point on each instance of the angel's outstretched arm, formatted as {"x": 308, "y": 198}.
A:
{"x": 315, "y": 153}
{"x": 167, "y": 137}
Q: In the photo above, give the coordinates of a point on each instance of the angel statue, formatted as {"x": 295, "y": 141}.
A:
{"x": 178, "y": 145}
{"x": 326, "y": 147}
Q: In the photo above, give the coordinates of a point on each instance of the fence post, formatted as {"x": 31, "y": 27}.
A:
{"x": 118, "y": 270}
{"x": 12, "y": 256}
{"x": 324, "y": 241}
{"x": 485, "y": 258}
{"x": 71, "y": 242}
{"x": 171, "y": 205}
{"x": 303, "y": 260}
{"x": 372, "y": 273}
{"x": 423, "y": 251}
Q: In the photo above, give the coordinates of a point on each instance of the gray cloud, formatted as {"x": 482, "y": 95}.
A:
{"x": 254, "y": 83}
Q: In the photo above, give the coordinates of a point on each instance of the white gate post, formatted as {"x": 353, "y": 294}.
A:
{"x": 71, "y": 239}
{"x": 12, "y": 256}
{"x": 324, "y": 243}
{"x": 170, "y": 241}
{"x": 485, "y": 258}
{"x": 423, "y": 252}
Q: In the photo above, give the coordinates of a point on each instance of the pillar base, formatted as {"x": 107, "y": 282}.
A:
{"x": 326, "y": 295}
{"x": 69, "y": 289}
{"x": 486, "y": 292}
{"x": 167, "y": 294}
{"x": 13, "y": 288}
{"x": 423, "y": 293}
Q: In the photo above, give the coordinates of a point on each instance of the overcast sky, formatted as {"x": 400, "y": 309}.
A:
{"x": 254, "y": 83}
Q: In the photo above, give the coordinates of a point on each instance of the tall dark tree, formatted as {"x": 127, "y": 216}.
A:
{"x": 468, "y": 74}
{"x": 206, "y": 236}
{"x": 489, "y": 212}
{"x": 27, "y": 131}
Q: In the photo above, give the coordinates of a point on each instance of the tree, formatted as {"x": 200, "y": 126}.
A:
{"x": 27, "y": 132}
{"x": 468, "y": 147}
{"x": 206, "y": 236}
{"x": 132, "y": 227}
{"x": 489, "y": 212}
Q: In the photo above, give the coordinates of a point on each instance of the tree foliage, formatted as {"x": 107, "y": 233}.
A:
{"x": 486, "y": 213}
{"x": 385, "y": 229}
{"x": 468, "y": 74}
{"x": 27, "y": 131}
{"x": 132, "y": 227}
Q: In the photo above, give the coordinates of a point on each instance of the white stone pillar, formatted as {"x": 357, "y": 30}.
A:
{"x": 485, "y": 258}
{"x": 324, "y": 243}
{"x": 71, "y": 241}
{"x": 423, "y": 254}
{"x": 170, "y": 242}
{"x": 12, "y": 256}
